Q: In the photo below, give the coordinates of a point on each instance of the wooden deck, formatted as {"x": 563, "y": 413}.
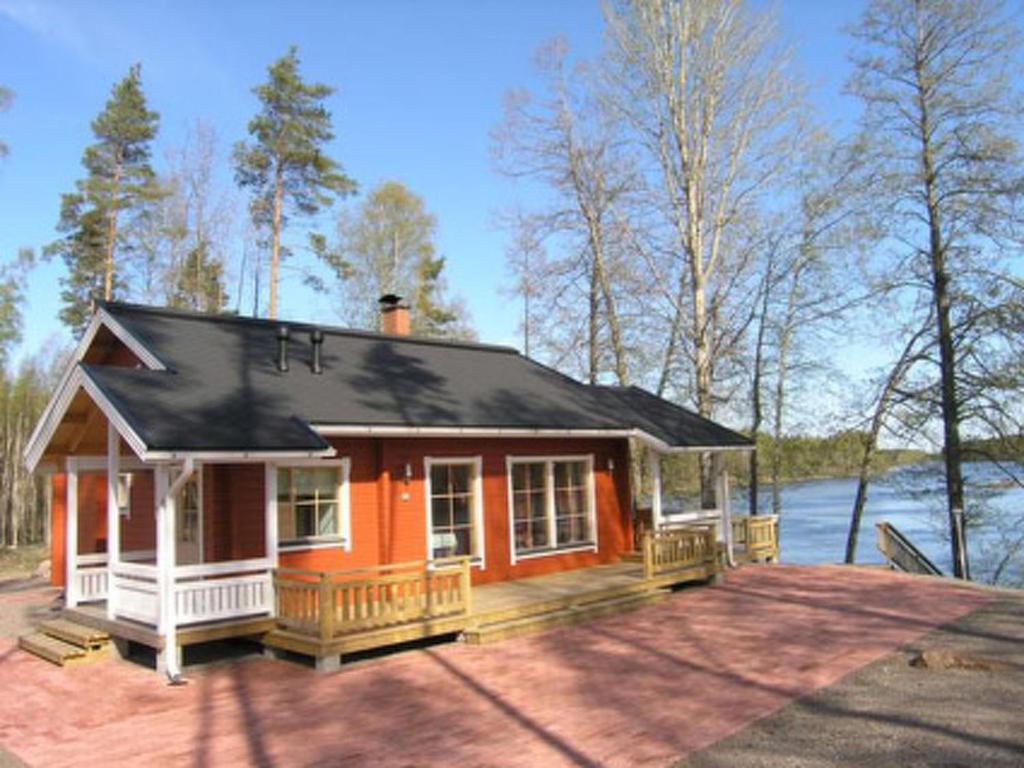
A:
{"x": 95, "y": 615}
{"x": 327, "y": 615}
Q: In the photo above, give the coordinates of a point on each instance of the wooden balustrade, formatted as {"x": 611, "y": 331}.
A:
{"x": 339, "y": 603}
{"x": 756, "y": 538}
{"x": 680, "y": 549}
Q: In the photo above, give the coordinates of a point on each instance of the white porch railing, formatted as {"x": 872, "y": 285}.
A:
{"x": 134, "y": 593}
{"x": 208, "y": 592}
{"x": 228, "y": 590}
{"x": 91, "y": 579}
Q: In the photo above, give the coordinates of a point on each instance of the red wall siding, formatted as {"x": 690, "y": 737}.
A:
{"x": 138, "y": 532}
{"x": 388, "y": 513}
{"x": 58, "y": 530}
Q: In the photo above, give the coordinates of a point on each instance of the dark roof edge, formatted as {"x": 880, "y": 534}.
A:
{"x": 113, "y": 306}
{"x": 640, "y": 390}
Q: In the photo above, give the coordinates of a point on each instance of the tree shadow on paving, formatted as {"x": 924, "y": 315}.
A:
{"x": 254, "y": 726}
{"x": 559, "y": 744}
{"x": 855, "y": 604}
{"x": 581, "y": 656}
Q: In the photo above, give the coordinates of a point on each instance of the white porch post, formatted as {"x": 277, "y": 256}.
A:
{"x": 71, "y": 533}
{"x": 165, "y": 563}
{"x": 722, "y": 503}
{"x": 270, "y": 499}
{"x": 654, "y": 458}
{"x": 113, "y": 515}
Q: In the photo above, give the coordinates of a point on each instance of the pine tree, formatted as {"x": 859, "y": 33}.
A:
{"x": 285, "y": 166}
{"x": 119, "y": 185}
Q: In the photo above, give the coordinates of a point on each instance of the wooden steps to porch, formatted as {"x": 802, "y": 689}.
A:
{"x": 64, "y": 643}
{"x": 531, "y": 619}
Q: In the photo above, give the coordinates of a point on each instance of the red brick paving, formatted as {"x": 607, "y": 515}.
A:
{"x": 644, "y": 688}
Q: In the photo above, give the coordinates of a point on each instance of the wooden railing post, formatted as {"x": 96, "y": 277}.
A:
{"x": 326, "y": 607}
{"x": 466, "y": 586}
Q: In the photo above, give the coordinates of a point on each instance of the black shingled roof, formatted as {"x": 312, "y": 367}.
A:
{"x": 222, "y": 390}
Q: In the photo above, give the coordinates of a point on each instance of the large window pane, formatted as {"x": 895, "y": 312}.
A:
{"x": 307, "y": 502}
{"x": 565, "y": 506}
{"x": 451, "y": 510}
{"x": 571, "y": 518}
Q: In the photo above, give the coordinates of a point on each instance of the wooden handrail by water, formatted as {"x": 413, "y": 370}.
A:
{"x": 901, "y": 554}
{"x": 679, "y": 549}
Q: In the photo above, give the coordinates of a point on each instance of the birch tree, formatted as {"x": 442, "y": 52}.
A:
{"x": 562, "y": 140}
{"x": 703, "y": 86}
{"x": 942, "y": 117}
{"x": 387, "y": 245}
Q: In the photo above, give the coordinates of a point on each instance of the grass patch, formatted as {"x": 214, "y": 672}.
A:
{"x": 23, "y": 561}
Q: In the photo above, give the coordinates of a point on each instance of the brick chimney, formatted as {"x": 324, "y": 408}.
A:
{"x": 394, "y": 315}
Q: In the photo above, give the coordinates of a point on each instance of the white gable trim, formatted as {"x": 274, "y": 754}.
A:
{"x": 101, "y": 318}
{"x": 76, "y": 379}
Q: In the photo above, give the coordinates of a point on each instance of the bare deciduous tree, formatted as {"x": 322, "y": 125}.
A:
{"x": 940, "y": 114}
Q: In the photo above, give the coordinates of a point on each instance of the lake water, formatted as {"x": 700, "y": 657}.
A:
{"x": 816, "y": 516}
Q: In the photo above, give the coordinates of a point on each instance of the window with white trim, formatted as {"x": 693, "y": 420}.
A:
{"x": 312, "y": 503}
{"x": 124, "y": 494}
{"x": 454, "y": 508}
{"x": 552, "y": 504}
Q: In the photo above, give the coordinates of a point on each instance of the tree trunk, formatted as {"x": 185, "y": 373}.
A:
{"x": 592, "y": 328}
{"x": 275, "y": 247}
{"x": 947, "y": 356}
{"x": 108, "y": 261}
{"x": 755, "y": 386}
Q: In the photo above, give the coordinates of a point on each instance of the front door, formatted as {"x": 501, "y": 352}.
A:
{"x": 189, "y": 523}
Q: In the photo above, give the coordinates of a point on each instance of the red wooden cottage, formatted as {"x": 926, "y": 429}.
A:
{"x": 217, "y": 475}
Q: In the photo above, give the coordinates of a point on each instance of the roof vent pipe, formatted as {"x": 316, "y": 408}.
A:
{"x": 316, "y": 339}
{"x": 282, "y": 347}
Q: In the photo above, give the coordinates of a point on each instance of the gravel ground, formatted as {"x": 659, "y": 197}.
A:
{"x": 890, "y": 714}
{"x": 24, "y": 603}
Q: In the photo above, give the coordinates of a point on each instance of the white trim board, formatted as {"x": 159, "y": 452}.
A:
{"x": 99, "y": 319}
{"x": 373, "y": 430}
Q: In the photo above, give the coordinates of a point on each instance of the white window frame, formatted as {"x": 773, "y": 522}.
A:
{"x": 197, "y": 477}
{"x": 124, "y": 486}
{"x": 343, "y": 538}
{"x": 477, "y": 480}
{"x": 552, "y": 550}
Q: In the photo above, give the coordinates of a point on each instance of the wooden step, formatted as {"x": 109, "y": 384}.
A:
{"x": 53, "y": 650}
{"x": 493, "y": 632}
{"x": 89, "y": 638}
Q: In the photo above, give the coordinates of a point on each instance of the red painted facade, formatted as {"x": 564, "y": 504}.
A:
{"x": 388, "y": 511}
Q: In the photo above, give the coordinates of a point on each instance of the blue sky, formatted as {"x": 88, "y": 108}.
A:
{"x": 420, "y": 84}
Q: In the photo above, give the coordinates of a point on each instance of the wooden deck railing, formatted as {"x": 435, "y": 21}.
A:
{"x": 756, "y": 537}
{"x": 339, "y": 603}
{"x": 679, "y": 549}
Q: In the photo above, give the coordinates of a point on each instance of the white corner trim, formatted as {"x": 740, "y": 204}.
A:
{"x": 479, "y": 540}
